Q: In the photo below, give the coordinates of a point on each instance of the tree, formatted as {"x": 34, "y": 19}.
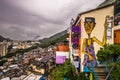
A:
{"x": 66, "y": 70}
{"x": 109, "y": 53}
{"x": 115, "y": 73}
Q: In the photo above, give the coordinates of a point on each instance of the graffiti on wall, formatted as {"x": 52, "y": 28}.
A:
{"x": 75, "y": 39}
{"x": 88, "y": 47}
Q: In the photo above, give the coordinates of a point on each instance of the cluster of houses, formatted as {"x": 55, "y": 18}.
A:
{"x": 11, "y": 46}
{"x": 22, "y": 66}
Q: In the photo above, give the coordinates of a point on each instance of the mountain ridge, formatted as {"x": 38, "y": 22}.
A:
{"x": 4, "y": 39}
{"x": 55, "y": 36}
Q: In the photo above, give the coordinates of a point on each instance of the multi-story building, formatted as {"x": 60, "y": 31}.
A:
{"x": 3, "y": 48}
{"x": 93, "y": 29}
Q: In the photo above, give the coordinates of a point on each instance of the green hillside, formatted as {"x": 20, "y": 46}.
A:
{"x": 61, "y": 36}
{"x": 54, "y": 37}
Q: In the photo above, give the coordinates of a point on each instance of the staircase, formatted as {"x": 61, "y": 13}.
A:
{"x": 100, "y": 72}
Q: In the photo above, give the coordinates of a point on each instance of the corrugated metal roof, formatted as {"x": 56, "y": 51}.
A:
{"x": 106, "y": 3}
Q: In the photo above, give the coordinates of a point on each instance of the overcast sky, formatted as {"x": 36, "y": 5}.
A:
{"x": 25, "y": 19}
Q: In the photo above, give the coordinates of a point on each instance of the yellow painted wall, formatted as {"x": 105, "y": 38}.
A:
{"x": 99, "y": 16}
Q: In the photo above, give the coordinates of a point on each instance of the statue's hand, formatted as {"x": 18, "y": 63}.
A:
{"x": 105, "y": 24}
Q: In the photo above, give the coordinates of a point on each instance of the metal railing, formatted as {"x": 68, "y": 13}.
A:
{"x": 112, "y": 69}
{"x": 95, "y": 73}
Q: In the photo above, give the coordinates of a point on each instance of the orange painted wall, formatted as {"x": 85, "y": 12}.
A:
{"x": 117, "y": 37}
{"x": 63, "y": 47}
{"x": 79, "y": 50}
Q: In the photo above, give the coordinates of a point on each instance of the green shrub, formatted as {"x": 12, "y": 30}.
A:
{"x": 115, "y": 74}
{"x": 66, "y": 70}
{"x": 108, "y": 53}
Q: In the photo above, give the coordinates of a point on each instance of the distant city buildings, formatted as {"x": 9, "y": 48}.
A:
{"x": 3, "y": 48}
{"x": 6, "y": 47}
{"x": 23, "y": 44}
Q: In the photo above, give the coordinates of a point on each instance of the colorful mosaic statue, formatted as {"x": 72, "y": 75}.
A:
{"x": 88, "y": 47}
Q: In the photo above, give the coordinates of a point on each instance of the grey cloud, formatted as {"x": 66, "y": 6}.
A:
{"x": 24, "y": 24}
{"x": 19, "y": 16}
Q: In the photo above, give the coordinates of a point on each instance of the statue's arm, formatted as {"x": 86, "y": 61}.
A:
{"x": 104, "y": 35}
{"x": 103, "y": 41}
{"x": 83, "y": 46}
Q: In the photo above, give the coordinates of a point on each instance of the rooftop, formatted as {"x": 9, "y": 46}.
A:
{"x": 106, "y": 3}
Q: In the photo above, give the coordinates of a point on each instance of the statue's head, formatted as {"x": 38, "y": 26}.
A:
{"x": 89, "y": 24}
